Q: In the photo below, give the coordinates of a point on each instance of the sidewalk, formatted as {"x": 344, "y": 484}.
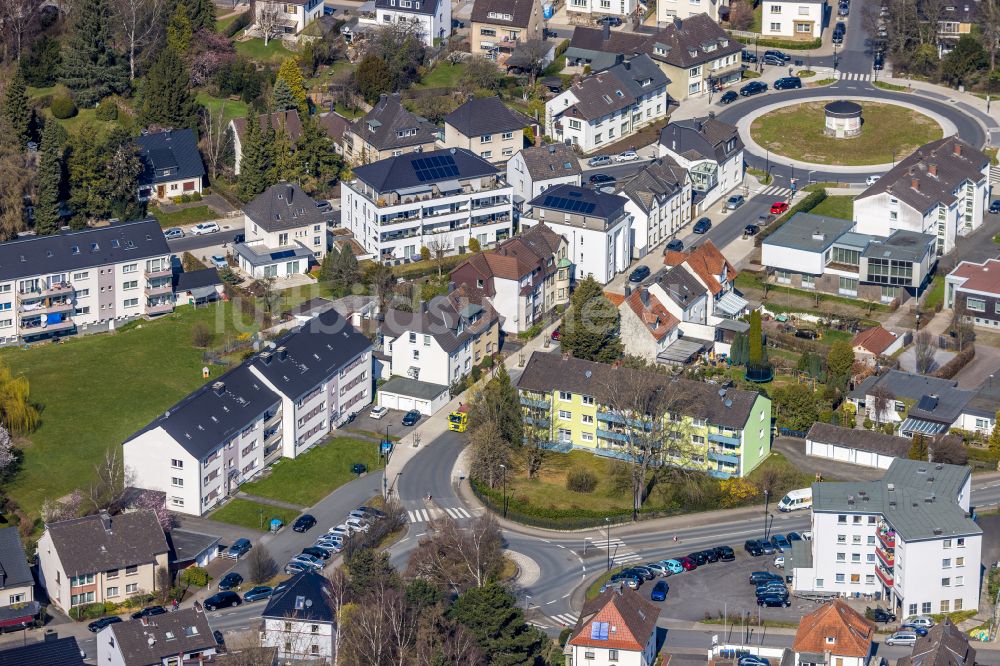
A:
{"x": 968, "y": 102}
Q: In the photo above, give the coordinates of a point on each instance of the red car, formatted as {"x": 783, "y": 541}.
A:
{"x": 688, "y": 564}
{"x": 778, "y": 207}
{"x": 555, "y": 335}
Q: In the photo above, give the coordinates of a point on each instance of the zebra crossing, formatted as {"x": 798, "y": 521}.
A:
{"x": 556, "y": 620}
{"x": 427, "y": 515}
{"x": 853, "y": 76}
{"x": 776, "y": 192}
{"x": 620, "y": 551}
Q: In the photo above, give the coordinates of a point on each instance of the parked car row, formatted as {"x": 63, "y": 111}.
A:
{"x": 770, "y": 589}
{"x": 633, "y": 577}
{"x": 314, "y": 557}
{"x": 778, "y": 543}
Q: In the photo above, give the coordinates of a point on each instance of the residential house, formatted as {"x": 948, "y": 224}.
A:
{"x": 588, "y": 10}
{"x": 616, "y": 627}
{"x": 57, "y": 285}
{"x": 942, "y": 189}
{"x": 191, "y": 549}
{"x": 440, "y": 200}
{"x": 532, "y": 170}
{"x": 51, "y": 652}
{"x": 386, "y": 131}
{"x": 101, "y": 558}
{"x": 438, "y": 343}
{"x": 171, "y": 165}
{"x": 834, "y": 633}
{"x": 487, "y": 127}
{"x": 919, "y": 404}
{"x": 18, "y": 607}
{"x": 596, "y": 226}
{"x": 198, "y": 287}
{"x": 953, "y": 22}
{"x": 277, "y": 403}
{"x": 335, "y": 126}
{"x": 169, "y": 639}
{"x": 647, "y": 328}
{"x": 943, "y": 645}
{"x": 285, "y": 233}
{"x": 430, "y": 19}
{"x": 716, "y": 276}
{"x": 875, "y": 342}
{"x": 299, "y": 620}
{"x": 498, "y": 26}
{"x": 711, "y": 152}
{"x": 972, "y": 291}
{"x": 579, "y": 404}
{"x": 283, "y": 121}
{"x": 668, "y": 10}
{"x": 856, "y": 446}
{"x": 793, "y": 19}
{"x": 829, "y": 255}
{"x": 608, "y": 106}
{"x": 659, "y": 200}
{"x": 908, "y": 537}
{"x": 601, "y": 48}
{"x": 289, "y": 17}
{"x": 524, "y": 278}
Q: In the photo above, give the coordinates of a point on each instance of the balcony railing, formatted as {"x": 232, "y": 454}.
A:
{"x": 159, "y": 289}
{"x": 159, "y": 308}
{"x": 162, "y": 272}
{"x": 887, "y": 558}
{"x": 609, "y": 417}
{"x": 538, "y": 404}
{"x": 884, "y": 576}
{"x": 541, "y": 422}
{"x": 54, "y": 289}
{"x": 51, "y": 308}
{"x": 272, "y": 437}
{"x": 887, "y": 538}
{"x": 611, "y": 434}
{"x": 272, "y": 420}
{"x": 720, "y": 455}
{"x": 35, "y": 327}
{"x": 723, "y": 439}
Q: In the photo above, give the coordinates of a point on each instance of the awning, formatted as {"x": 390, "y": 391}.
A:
{"x": 732, "y": 304}
{"x": 680, "y": 351}
{"x": 911, "y": 425}
{"x": 449, "y": 185}
{"x": 415, "y": 189}
{"x": 199, "y": 293}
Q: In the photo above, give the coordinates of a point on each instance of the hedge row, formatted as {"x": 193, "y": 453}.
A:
{"x": 791, "y": 45}
{"x": 959, "y": 361}
{"x": 812, "y": 200}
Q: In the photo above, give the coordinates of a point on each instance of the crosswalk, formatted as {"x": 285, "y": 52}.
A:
{"x": 427, "y": 515}
{"x": 853, "y": 76}
{"x": 620, "y": 551}
{"x": 776, "y": 192}
{"x": 555, "y": 621}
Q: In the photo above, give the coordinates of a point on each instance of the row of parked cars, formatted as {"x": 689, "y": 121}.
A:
{"x": 770, "y": 589}
{"x": 314, "y": 557}
{"x": 633, "y": 577}
{"x": 778, "y": 543}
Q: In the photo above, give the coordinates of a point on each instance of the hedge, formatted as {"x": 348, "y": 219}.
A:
{"x": 959, "y": 361}
{"x": 811, "y": 201}
{"x": 63, "y": 107}
{"x": 240, "y": 22}
{"x": 784, "y": 43}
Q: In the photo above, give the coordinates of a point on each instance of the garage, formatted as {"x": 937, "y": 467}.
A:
{"x": 855, "y": 445}
{"x": 404, "y": 394}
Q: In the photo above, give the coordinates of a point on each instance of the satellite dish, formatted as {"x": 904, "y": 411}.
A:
{"x": 309, "y": 603}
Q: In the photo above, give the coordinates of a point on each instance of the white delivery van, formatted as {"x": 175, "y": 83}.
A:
{"x": 796, "y": 499}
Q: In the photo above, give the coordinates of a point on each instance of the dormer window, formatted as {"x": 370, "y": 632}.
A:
{"x": 606, "y": 99}
{"x": 501, "y": 16}
{"x": 830, "y": 640}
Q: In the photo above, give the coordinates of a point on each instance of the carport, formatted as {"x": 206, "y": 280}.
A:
{"x": 404, "y": 394}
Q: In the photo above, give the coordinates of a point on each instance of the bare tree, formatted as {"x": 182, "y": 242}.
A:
{"x": 961, "y": 330}
{"x": 367, "y": 636}
{"x": 340, "y": 596}
{"x": 740, "y": 15}
{"x": 924, "y": 352}
{"x": 108, "y": 489}
{"x": 18, "y": 16}
{"x": 444, "y": 641}
{"x": 989, "y": 29}
{"x": 216, "y": 138}
{"x": 459, "y": 558}
{"x": 533, "y": 451}
{"x": 247, "y": 649}
{"x": 532, "y": 54}
{"x": 138, "y": 23}
{"x": 949, "y": 450}
{"x": 439, "y": 247}
{"x": 882, "y": 399}
{"x": 268, "y": 20}
{"x": 490, "y": 452}
{"x": 260, "y": 565}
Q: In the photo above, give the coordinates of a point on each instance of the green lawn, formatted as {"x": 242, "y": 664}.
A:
{"x": 34, "y": 93}
{"x": 232, "y": 108}
{"x": 254, "y": 49}
{"x": 251, "y": 514}
{"x": 444, "y": 75}
{"x": 316, "y": 473}
{"x": 184, "y": 216}
{"x": 889, "y": 133}
{"x": 934, "y": 295}
{"x": 72, "y": 125}
{"x": 96, "y": 390}
{"x": 841, "y": 206}
{"x": 549, "y": 488}
{"x": 222, "y": 25}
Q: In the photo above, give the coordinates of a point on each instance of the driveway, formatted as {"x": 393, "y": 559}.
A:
{"x": 979, "y": 370}
{"x": 795, "y": 450}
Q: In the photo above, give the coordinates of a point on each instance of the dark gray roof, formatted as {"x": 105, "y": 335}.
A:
{"x": 436, "y": 317}
{"x": 485, "y": 115}
{"x": 551, "y": 161}
{"x": 98, "y": 543}
{"x": 545, "y": 373}
{"x": 413, "y": 388}
{"x": 576, "y": 200}
{"x": 951, "y": 169}
{"x": 615, "y": 88}
{"x": 858, "y": 438}
{"x": 428, "y": 7}
{"x": 312, "y": 354}
{"x": 394, "y": 173}
{"x": 389, "y": 126}
{"x": 935, "y": 399}
{"x": 604, "y": 48}
{"x": 306, "y": 596}
{"x": 169, "y": 156}
{"x": 288, "y": 121}
{"x": 186, "y": 545}
{"x": 519, "y": 11}
{"x": 693, "y": 41}
{"x": 702, "y": 138}
{"x": 76, "y": 250}
{"x": 901, "y": 245}
{"x": 170, "y": 634}
{"x": 809, "y": 233}
{"x": 986, "y": 401}
{"x": 657, "y": 181}
{"x": 680, "y": 285}
{"x": 188, "y": 280}
{"x": 943, "y": 645}
{"x": 14, "y": 569}
{"x": 284, "y": 206}
{"x": 57, "y": 652}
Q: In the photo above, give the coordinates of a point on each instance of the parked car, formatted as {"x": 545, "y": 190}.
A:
{"x": 219, "y": 638}
{"x": 632, "y": 582}
{"x": 748, "y": 56}
{"x": 753, "y": 88}
{"x": 753, "y": 547}
{"x": 699, "y": 558}
{"x": 372, "y": 512}
{"x": 758, "y": 577}
{"x": 788, "y": 83}
{"x": 781, "y": 55}
{"x": 772, "y": 60}
{"x": 257, "y": 593}
{"x": 728, "y": 97}
{"x": 204, "y": 228}
{"x": 627, "y": 156}
{"x": 674, "y": 566}
{"x": 725, "y": 553}
{"x": 411, "y": 417}
{"x": 357, "y": 524}
{"x": 754, "y": 660}
{"x": 219, "y": 261}
{"x": 343, "y": 531}
{"x": 324, "y": 206}
{"x": 779, "y": 207}
{"x": 905, "y": 638}
{"x": 639, "y": 274}
{"x": 702, "y": 226}
{"x": 378, "y": 412}
{"x": 768, "y": 547}
{"x": 640, "y": 572}
{"x": 878, "y": 62}
{"x": 173, "y": 232}
{"x": 688, "y": 564}
{"x": 995, "y": 206}
{"x": 871, "y": 180}
{"x": 677, "y": 245}
{"x": 711, "y": 554}
{"x": 601, "y": 179}
{"x": 773, "y": 587}
{"x": 230, "y": 580}
{"x": 304, "y": 523}
{"x": 735, "y": 201}
{"x": 751, "y": 230}
{"x": 239, "y": 548}
{"x": 779, "y": 561}
{"x": 774, "y": 601}
{"x": 97, "y": 625}
{"x": 919, "y": 621}
{"x": 837, "y": 37}
{"x": 880, "y": 615}
{"x": 840, "y": 27}
{"x": 657, "y": 568}
{"x": 309, "y": 561}
{"x": 599, "y": 160}
{"x": 793, "y": 536}
{"x": 149, "y": 611}
{"x": 659, "y": 591}
{"x": 293, "y": 568}
{"x": 556, "y": 334}
{"x": 843, "y": 10}
{"x": 780, "y": 543}
{"x": 222, "y": 600}
{"x": 613, "y": 21}
{"x": 317, "y": 552}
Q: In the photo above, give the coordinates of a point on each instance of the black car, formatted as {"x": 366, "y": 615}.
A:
{"x": 711, "y": 554}
{"x": 549, "y": 32}
{"x": 784, "y": 57}
{"x": 880, "y": 615}
{"x": 230, "y": 580}
{"x": 772, "y": 587}
{"x": 702, "y": 226}
{"x": 676, "y": 245}
{"x": 411, "y": 417}
{"x": 639, "y": 274}
{"x": 699, "y": 558}
{"x": 640, "y": 572}
{"x": 751, "y": 230}
{"x": 753, "y": 547}
{"x": 753, "y": 88}
{"x": 995, "y": 206}
{"x": 601, "y": 179}
{"x": 837, "y": 38}
{"x": 724, "y": 553}
{"x": 788, "y": 83}
{"x": 772, "y": 60}
{"x": 149, "y": 611}
{"x": 728, "y": 97}
{"x": 758, "y": 577}
{"x": 222, "y": 600}
{"x": 321, "y": 553}
{"x": 793, "y": 536}
{"x": 219, "y": 638}
{"x": 774, "y": 601}
{"x": 748, "y": 56}
{"x": 878, "y": 64}
{"x": 613, "y": 21}
{"x": 840, "y": 27}
{"x": 304, "y": 523}
{"x": 97, "y": 625}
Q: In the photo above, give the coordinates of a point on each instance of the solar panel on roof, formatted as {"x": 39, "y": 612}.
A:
{"x": 927, "y": 403}
{"x": 436, "y": 167}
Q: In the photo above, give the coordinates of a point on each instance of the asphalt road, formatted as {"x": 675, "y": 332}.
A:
{"x": 191, "y": 243}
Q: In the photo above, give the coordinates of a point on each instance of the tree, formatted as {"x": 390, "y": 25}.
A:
{"x": 340, "y": 597}
{"x": 882, "y": 399}
{"x": 489, "y": 454}
{"x": 179, "y": 29}
{"x": 17, "y": 413}
{"x": 839, "y": 363}
{"x": 740, "y": 15}
{"x": 15, "y": 176}
{"x": 290, "y": 73}
{"x": 281, "y": 97}
{"x": 121, "y": 177}
{"x": 967, "y": 57}
{"x": 400, "y": 47}
{"x": 755, "y": 350}
{"x": 269, "y": 20}
{"x": 491, "y": 614}
{"x": 590, "y": 327}
{"x": 91, "y": 66}
{"x": 167, "y": 98}
{"x": 216, "y": 139}
{"x": 111, "y": 483}
{"x": 918, "y": 448}
{"x": 261, "y": 567}
{"x": 497, "y": 402}
{"x": 41, "y": 64}
{"x": 480, "y": 74}
{"x": 256, "y": 164}
{"x": 382, "y": 281}
{"x": 924, "y": 352}
{"x": 989, "y": 29}
{"x": 949, "y": 450}
{"x": 17, "y": 17}
{"x": 532, "y": 54}
{"x": 459, "y": 558}
{"x": 367, "y": 568}
{"x": 474, "y": 245}
{"x": 371, "y": 78}
{"x": 50, "y": 180}
{"x": 138, "y": 25}
{"x": 317, "y": 158}
{"x": 439, "y": 247}
{"x": 961, "y": 331}
{"x": 150, "y": 500}
{"x": 16, "y": 110}
{"x": 795, "y": 405}
{"x": 10, "y": 456}
{"x": 434, "y": 107}
{"x": 201, "y": 13}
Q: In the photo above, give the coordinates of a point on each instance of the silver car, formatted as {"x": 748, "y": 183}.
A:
{"x": 173, "y": 232}
{"x": 735, "y": 201}
{"x": 599, "y": 160}
{"x": 906, "y": 638}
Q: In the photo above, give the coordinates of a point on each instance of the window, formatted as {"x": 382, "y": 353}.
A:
{"x": 416, "y": 354}
{"x": 959, "y": 561}
{"x": 855, "y": 579}
{"x": 176, "y": 464}
{"x": 132, "y": 570}
{"x": 16, "y": 598}
{"x": 946, "y": 563}
{"x": 487, "y": 154}
{"x": 587, "y": 418}
{"x": 871, "y": 558}
{"x": 83, "y": 275}
{"x": 775, "y": 8}
{"x": 565, "y": 415}
{"x": 131, "y": 284}
{"x": 112, "y": 592}
{"x": 587, "y": 436}
{"x": 855, "y": 558}
{"x": 574, "y": 124}
{"x": 486, "y": 138}
{"x": 840, "y": 578}
{"x": 131, "y": 302}
{"x": 869, "y": 579}
{"x": 856, "y": 539}
{"x": 925, "y": 607}
{"x": 507, "y": 135}
{"x": 958, "y": 604}
{"x": 959, "y": 581}
{"x": 83, "y": 598}
{"x": 587, "y": 399}
{"x": 841, "y": 519}
{"x": 841, "y": 539}
{"x": 613, "y": 655}
{"x": 946, "y": 543}
{"x": 946, "y": 582}
{"x": 427, "y": 341}
{"x": 819, "y": 582}
{"x": 841, "y": 557}
{"x": 871, "y": 539}
{"x": 111, "y": 573}
{"x": 945, "y": 606}
{"x": 848, "y": 286}
{"x": 775, "y": 27}
{"x": 507, "y": 152}
{"x": 86, "y": 579}
{"x": 961, "y": 542}
{"x": 564, "y": 395}
{"x": 130, "y": 268}
{"x": 413, "y": 337}
{"x": 912, "y": 609}
{"x": 177, "y": 501}
{"x": 177, "y": 482}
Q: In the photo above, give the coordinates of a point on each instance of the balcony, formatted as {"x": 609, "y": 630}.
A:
{"x": 40, "y": 308}
{"x": 888, "y": 558}
{"x": 272, "y": 437}
{"x": 159, "y": 308}
{"x": 541, "y": 422}
{"x": 719, "y": 455}
{"x": 720, "y": 438}
{"x": 159, "y": 273}
{"x": 35, "y": 326}
{"x": 609, "y": 417}
{"x": 54, "y": 289}
{"x": 884, "y": 576}
{"x": 887, "y": 537}
{"x": 538, "y": 404}
{"x": 611, "y": 434}
{"x": 272, "y": 420}
{"x": 161, "y": 289}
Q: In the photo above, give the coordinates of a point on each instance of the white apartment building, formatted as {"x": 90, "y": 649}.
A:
{"x": 439, "y": 200}
{"x": 285, "y": 233}
{"x": 290, "y": 16}
{"x": 793, "y": 19}
{"x": 52, "y": 286}
{"x": 597, "y": 8}
{"x": 299, "y": 620}
{"x": 659, "y": 200}
{"x": 908, "y": 536}
{"x": 668, "y": 10}
{"x": 608, "y": 106}
{"x": 711, "y": 152}
{"x": 429, "y": 19}
{"x": 596, "y": 226}
{"x": 942, "y": 189}
{"x": 532, "y": 170}
{"x": 277, "y": 403}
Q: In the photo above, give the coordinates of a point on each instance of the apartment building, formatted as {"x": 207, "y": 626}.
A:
{"x": 793, "y": 19}
{"x": 574, "y": 403}
{"x": 523, "y": 278}
{"x": 498, "y": 26}
{"x": 386, "y": 131}
{"x": 285, "y": 233}
{"x": 429, "y": 19}
{"x": 168, "y": 639}
{"x": 439, "y": 199}
{"x": 100, "y": 558}
{"x": 668, "y": 10}
{"x": 299, "y": 620}
{"x": 487, "y": 127}
{"x": 942, "y": 189}
{"x": 596, "y": 226}
{"x": 908, "y": 537}
{"x": 278, "y": 403}
{"x": 711, "y": 152}
{"x": 608, "y": 106}
{"x": 57, "y": 285}
{"x": 972, "y": 291}
{"x": 533, "y": 170}
{"x": 659, "y": 200}
{"x": 172, "y": 165}
{"x": 289, "y": 17}
{"x": 588, "y": 10}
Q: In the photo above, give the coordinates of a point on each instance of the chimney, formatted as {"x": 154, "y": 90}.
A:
{"x": 106, "y": 521}
{"x": 607, "y": 31}
{"x": 932, "y": 169}
{"x": 289, "y": 192}
{"x": 282, "y": 353}
{"x": 219, "y": 388}
{"x": 644, "y": 297}
{"x": 915, "y": 184}
{"x": 958, "y": 149}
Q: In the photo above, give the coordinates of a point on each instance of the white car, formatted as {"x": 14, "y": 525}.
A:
{"x": 807, "y": 535}
{"x": 919, "y": 621}
{"x": 378, "y": 412}
{"x": 627, "y": 156}
{"x": 871, "y": 180}
{"x": 308, "y": 560}
{"x": 204, "y": 228}
{"x": 779, "y": 561}
{"x": 342, "y": 531}
{"x": 357, "y": 524}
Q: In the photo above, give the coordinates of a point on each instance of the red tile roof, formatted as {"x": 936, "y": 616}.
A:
{"x": 984, "y": 277}
{"x": 616, "y": 299}
{"x": 631, "y": 621}
{"x": 836, "y": 628}
{"x": 707, "y": 262}
{"x": 875, "y": 340}
{"x": 658, "y": 321}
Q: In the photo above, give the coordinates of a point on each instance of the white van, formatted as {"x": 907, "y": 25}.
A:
{"x": 796, "y": 499}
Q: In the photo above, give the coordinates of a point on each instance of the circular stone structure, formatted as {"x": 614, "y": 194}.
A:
{"x": 843, "y": 119}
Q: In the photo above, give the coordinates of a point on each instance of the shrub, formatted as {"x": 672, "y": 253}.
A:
{"x": 194, "y": 576}
{"x": 581, "y": 480}
{"x": 62, "y": 107}
{"x": 240, "y": 22}
{"x": 474, "y": 245}
{"x": 959, "y": 361}
{"x": 107, "y": 110}
{"x": 201, "y": 335}
{"x": 196, "y": 196}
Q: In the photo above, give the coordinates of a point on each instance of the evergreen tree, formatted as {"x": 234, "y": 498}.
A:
{"x": 994, "y": 442}
{"x": 85, "y": 167}
{"x": 918, "y": 448}
{"x": 50, "y": 178}
{"x": 493, "y": 617}
{"x": 286, "y": 166}
{"x": 179, "y": 29}
{"x": 291, "y": 73}
{"x": 281, "y": 96}
{"x": 16, "y": 110}
{"x": 756, "y": 351}
{"x": 255, "y": 163}
{"x": 122, "y": 169}
{"x": 41, "y": 64}
{"x": 201, "y": 14}
{"x": 92, "y": 69}
{"x": 839, "y": 362}
{"x": 317, "y": 155}
{"x": 590, "y": 329}
{"x": 167, "y": 99}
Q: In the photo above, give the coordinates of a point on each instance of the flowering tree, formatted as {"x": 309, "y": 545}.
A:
{"x": 150, "y": 500}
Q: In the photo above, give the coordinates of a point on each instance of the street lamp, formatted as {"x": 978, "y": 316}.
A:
{"x": 504, "y": 469}
{"x": 607, "y": 521}
{"x": 767, "y": 497}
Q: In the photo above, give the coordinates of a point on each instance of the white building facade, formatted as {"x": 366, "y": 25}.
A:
{"x": 429, "y": 19}
{"x": 668, "y": 10}
{"x": 712, "y": 154}
{"x": 793, "y": 19}
{"x": 597, "y": 8}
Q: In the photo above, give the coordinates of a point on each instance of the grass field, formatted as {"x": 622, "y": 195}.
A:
{"x": 96, "y": 390}
{"x": 934, "y": 295}
{"x": 254, "y": 49}
{"x": 192, "y": 215}
{"x": 841, "y": 206}
{"x": 316, "y": 473}
{"x": 444, "y": 75}
{"x": 250, "y": 514}
{"x": 549, "y": 489}
{"x": 231, "y": 108}
{"x": 889, "y": 133}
